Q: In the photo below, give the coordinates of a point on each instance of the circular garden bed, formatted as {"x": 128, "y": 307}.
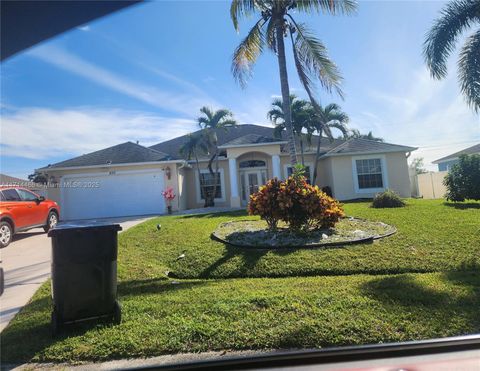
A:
{"x": 254, "y": 234}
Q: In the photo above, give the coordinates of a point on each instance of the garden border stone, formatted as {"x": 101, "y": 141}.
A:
{"x": 363, "y": 240}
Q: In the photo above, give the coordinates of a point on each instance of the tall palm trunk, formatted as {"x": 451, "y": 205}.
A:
{"x": 202, "y": 185}
{"x": 302, "y": 151}
{"x": 282, "y": 66}
{"x": 317, "y": 157}
{"x": 210, "y": 194}
{"x": 215, "y": 177}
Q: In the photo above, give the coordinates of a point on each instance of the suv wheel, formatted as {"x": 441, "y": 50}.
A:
{"x": 52, "y": 221}
{"x": 6, "y": 234}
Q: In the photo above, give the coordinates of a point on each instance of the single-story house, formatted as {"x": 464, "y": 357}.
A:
{"x": 446, "y": 162}
{"x": 127, "y": 179}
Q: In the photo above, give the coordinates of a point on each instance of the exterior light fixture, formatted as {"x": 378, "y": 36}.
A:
{"x": 168, "y": 172}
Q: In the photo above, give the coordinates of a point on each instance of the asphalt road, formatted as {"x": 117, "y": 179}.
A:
{"x": 26, "y": 262}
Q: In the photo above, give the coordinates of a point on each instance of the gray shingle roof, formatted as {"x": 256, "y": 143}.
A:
{"x": 173, "y": 146}
{"x": 242, "y": 134}
{"x": 251, "y": 139}
{"x": 467, "y": 151}
{"x": 120, "y": 154}
{"x": 360, "y": 145}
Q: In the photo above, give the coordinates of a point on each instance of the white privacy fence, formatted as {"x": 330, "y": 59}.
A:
{"x": 428, "y": 185}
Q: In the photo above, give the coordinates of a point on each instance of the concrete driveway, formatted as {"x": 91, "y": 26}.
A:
{"x": 26, "y": 262}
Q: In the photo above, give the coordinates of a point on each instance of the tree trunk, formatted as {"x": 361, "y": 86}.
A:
{"x": 202, "y": 185}
{"x": 282, "y": 66}
{"x": 209, "y": 195}
{"x": 215, "y": 177}
{"x": 317, "y": 157}
{"x": 301, "y": 152}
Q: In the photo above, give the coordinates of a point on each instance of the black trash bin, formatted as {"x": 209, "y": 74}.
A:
{"x": 84, "y": 272}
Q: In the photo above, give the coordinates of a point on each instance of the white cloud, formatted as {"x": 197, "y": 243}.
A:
{"x": 40, "y": 133}
{"x": 85, "y": 28}
{"x": 427, "y": 113}
{"x": 179, "y": 103}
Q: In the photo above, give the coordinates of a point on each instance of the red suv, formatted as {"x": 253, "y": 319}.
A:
{"x": 21, "y": 209}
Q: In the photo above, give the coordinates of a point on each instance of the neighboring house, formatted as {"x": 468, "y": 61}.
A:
{"x": 446, "y": 162}
{"x": 7, "y": 180}
{"x": 127, "y": 179}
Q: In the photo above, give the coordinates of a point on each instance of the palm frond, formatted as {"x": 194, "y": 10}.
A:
{"x": 271, "y": 35}
{"x": 277, "y": 131}
{"x": 331, "y": 108}
{"x": 314, "y": 60}
{"x": 220, "y": 115}
{"x": 339, "y": 126}
{"x": 203, "y": 122}
{"x": 246, "y": 54}
{"x": 338, "y": 116}
{"x": 303, "y": 75}
{"x": 277, "y": 103}
{"x": 327, "y": 6}
{"x": 207, "y": 111}
{"x": 241, "y": 8}
{"x": 469, "y": 71}
{"x": 327, "y": 131}
{"x": 274, "y": 115}
{"x": 186, "y": 150}
{"x": 440, "y": 40}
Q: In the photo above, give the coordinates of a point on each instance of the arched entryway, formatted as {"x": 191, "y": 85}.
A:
{"x": 253, "y": 171}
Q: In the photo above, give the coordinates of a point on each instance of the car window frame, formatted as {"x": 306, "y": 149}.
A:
{"x": 27, "y": 191}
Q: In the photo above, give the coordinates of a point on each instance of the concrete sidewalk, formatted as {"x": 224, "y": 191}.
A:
{"x": 26, "y": 262}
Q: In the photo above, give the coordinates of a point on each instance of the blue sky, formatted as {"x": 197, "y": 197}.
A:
{"x": 143, "y": 73}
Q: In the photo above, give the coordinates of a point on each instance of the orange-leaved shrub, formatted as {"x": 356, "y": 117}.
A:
{"x": 265, "y": 203}
{"x": 299, "y": 204}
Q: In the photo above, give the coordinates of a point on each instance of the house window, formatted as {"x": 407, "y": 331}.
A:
{"x": 207, "y": 184}
{"x": 307, "y": 172}
{"x": 369, "y": 173}
{"x": 252, "y": 163}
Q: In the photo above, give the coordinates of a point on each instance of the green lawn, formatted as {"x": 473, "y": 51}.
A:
{"x": 431, "y": 237}
{"x": 201, "y": 310}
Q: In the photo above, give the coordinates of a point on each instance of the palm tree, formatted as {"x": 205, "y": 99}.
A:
{"x": 456, "y": 17}
{"x": 211, "y": 122}
{"x": 310, "y": 54}
{"x": 324, "y": 120}
{"x": 194, "y": 145}
{"x": 355, "y": 134}
{"x": 300, "y": 119}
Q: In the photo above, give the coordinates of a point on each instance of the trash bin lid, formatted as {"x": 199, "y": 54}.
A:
{"x": 81, "y": 225}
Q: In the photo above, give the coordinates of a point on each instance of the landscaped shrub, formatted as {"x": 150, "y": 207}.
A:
{"x": 265, "y": 203}
{"x": 387, "y": 199}
{"x": 300, "y": 205}
{"x": 463, "y": 179}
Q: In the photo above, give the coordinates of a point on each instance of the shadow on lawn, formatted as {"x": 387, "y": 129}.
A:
{"x": 214, "y": 214}
{"x": 153, "y": 286}
{"x": 427, "y": 304}
{"x": 250, "y": 259}
{"x": 463, "y": 205}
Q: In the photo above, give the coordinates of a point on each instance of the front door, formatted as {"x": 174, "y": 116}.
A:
{"x": 251, "y": 181}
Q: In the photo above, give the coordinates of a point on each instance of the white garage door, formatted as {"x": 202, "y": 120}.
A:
{"x": 116, "y": 195}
